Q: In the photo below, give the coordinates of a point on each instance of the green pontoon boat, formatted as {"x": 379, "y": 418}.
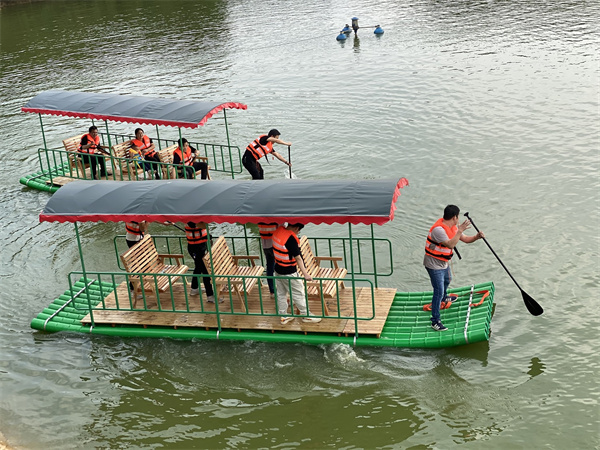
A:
{"x": 148, "y": 294}
{"x": 61, "y": 165}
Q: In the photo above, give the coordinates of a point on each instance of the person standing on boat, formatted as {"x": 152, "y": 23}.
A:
{"x": 187, "y": 160}
{"x": 266, "y": 231}
{"x": 197, "y": 236}
{"x": 147, "y": 149}
{"x": 89, "y": 146}
{"x": 134, "y": 233}
{"x": 259, "y": 147}
{"x": 439, "y": 249}
{"x": 288, "y": 258}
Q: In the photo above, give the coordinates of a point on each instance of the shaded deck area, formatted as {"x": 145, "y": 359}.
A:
{"x": 202, "y": 314}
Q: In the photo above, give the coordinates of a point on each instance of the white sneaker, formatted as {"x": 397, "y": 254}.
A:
{"x": 193, "y": 291}
{"x": 311, "y": 319}
{"x": 286, "y": 320}
{"x": 211, "y": 299}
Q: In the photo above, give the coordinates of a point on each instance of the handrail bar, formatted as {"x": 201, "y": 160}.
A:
{"x": 67, "y": 303}
{"x": 202, "y": 309}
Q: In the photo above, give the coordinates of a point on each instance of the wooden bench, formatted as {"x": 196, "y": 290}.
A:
{"x": 75, "y": 162}
{"x": 143, "y": 258}
{"x": 72, "y": 145}
{"x": 322, "y": 288}
{"x": 225, "y": 263}
{"x": 125, "y": 163}
{"x": 166, "y": 157}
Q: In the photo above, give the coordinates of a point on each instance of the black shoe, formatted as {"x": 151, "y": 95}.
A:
{"x": 438, "y": 326}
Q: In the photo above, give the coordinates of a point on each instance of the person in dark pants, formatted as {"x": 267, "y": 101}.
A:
{"x": 147, "y": 149}
{"x": 197, "y": 236}
{"x": 187, "y": 160}
{"x": 266, "y": 231}
{"x": 134, "y": 234}
{"x": 259, "y": 147}
{"x": 89, "y": 147}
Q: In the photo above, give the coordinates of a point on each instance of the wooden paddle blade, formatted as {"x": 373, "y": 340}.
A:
{"x": 533, "y": 306}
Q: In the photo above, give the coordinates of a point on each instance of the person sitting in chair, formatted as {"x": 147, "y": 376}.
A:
{"x": 186, "y": 159}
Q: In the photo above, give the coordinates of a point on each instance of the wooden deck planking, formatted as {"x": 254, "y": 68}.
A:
{"x": 61, "y": 181}
{"x": 195, "y": 318}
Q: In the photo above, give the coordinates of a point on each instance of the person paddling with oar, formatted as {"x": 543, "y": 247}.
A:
{"x": 439, "y": 249}
{"x": 259, "y": 147}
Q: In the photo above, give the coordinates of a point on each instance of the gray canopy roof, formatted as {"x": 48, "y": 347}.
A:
{"x": 127, "y": 108}
{"x": 227, "y": 201}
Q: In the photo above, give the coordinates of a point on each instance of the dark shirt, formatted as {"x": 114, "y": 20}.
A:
{"x": 177, "y": 159}
{"x": 294, "y": 249}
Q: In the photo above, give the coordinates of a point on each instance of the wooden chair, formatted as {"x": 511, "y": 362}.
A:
{"x": 166, "y": 157}
{"x": 225, "y": 263}
{"x": 125, "y": 164}
{"x": 143, "y": 258}
{"x": 322, "y": 288}
{"x": 75, "y": 163}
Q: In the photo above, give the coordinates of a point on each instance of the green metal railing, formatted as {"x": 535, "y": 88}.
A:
{"x": 57, "y": 162}
{"x": 221, "y": 157}
{"x": 164, "y": 302}
{"x": 61, "y": 163}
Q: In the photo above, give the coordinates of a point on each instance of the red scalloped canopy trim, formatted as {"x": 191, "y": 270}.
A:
{"x": 161, "y": 218}
{"x": 402, "y": 182}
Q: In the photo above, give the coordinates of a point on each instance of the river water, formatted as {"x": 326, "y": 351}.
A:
{"x": 491, "y": 105}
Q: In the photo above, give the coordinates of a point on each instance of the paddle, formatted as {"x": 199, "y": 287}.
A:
{"x": 291, "y": 174}
{"x": 533, "y": 306}
{"x": 174, "y": 225}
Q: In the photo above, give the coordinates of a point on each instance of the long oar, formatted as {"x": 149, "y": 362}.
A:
{"x": 533, "y": 306}
{"x": 290, "y": 160}
{"x": 174, "y": 225}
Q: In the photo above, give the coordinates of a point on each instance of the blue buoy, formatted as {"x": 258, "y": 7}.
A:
{"x": 378, "y": 30}
{"x": 347, "y": 29}
{"x": 341, "y": 36}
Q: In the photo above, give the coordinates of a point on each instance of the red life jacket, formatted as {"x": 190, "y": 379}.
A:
{"x": 282, "y": 255}
{"x": 258, "y": 150}
{"x": 436, "y": 249}
{"x": 195, "y": 235}
{"x": 266, "y": 230}
{"x": 188, "y": 158}
{"x": 143, "y": 145}
{"x": 133, "y": 228}
{"x": 91, "y": 149}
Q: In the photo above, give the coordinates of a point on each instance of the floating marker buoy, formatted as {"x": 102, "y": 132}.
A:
{"x": 341, "y": 36}
{"x": 378, "y": 30}
{"x": 347, "y": 29}
{"x": 355, "y": 26}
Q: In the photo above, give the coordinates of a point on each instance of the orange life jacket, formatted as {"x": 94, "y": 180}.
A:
{"x": 282, "y": 255}
{"x": 188, "y": 158}
{"x": 195, "y": 235}
{"x": 266, "y": 230}
{"x": 134, "y": 228}
{"x": 143, "y": 145}
{"x": 258, "y": 150}
{"x": 436, "y": 249}
{"x": 91, "y": 149}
